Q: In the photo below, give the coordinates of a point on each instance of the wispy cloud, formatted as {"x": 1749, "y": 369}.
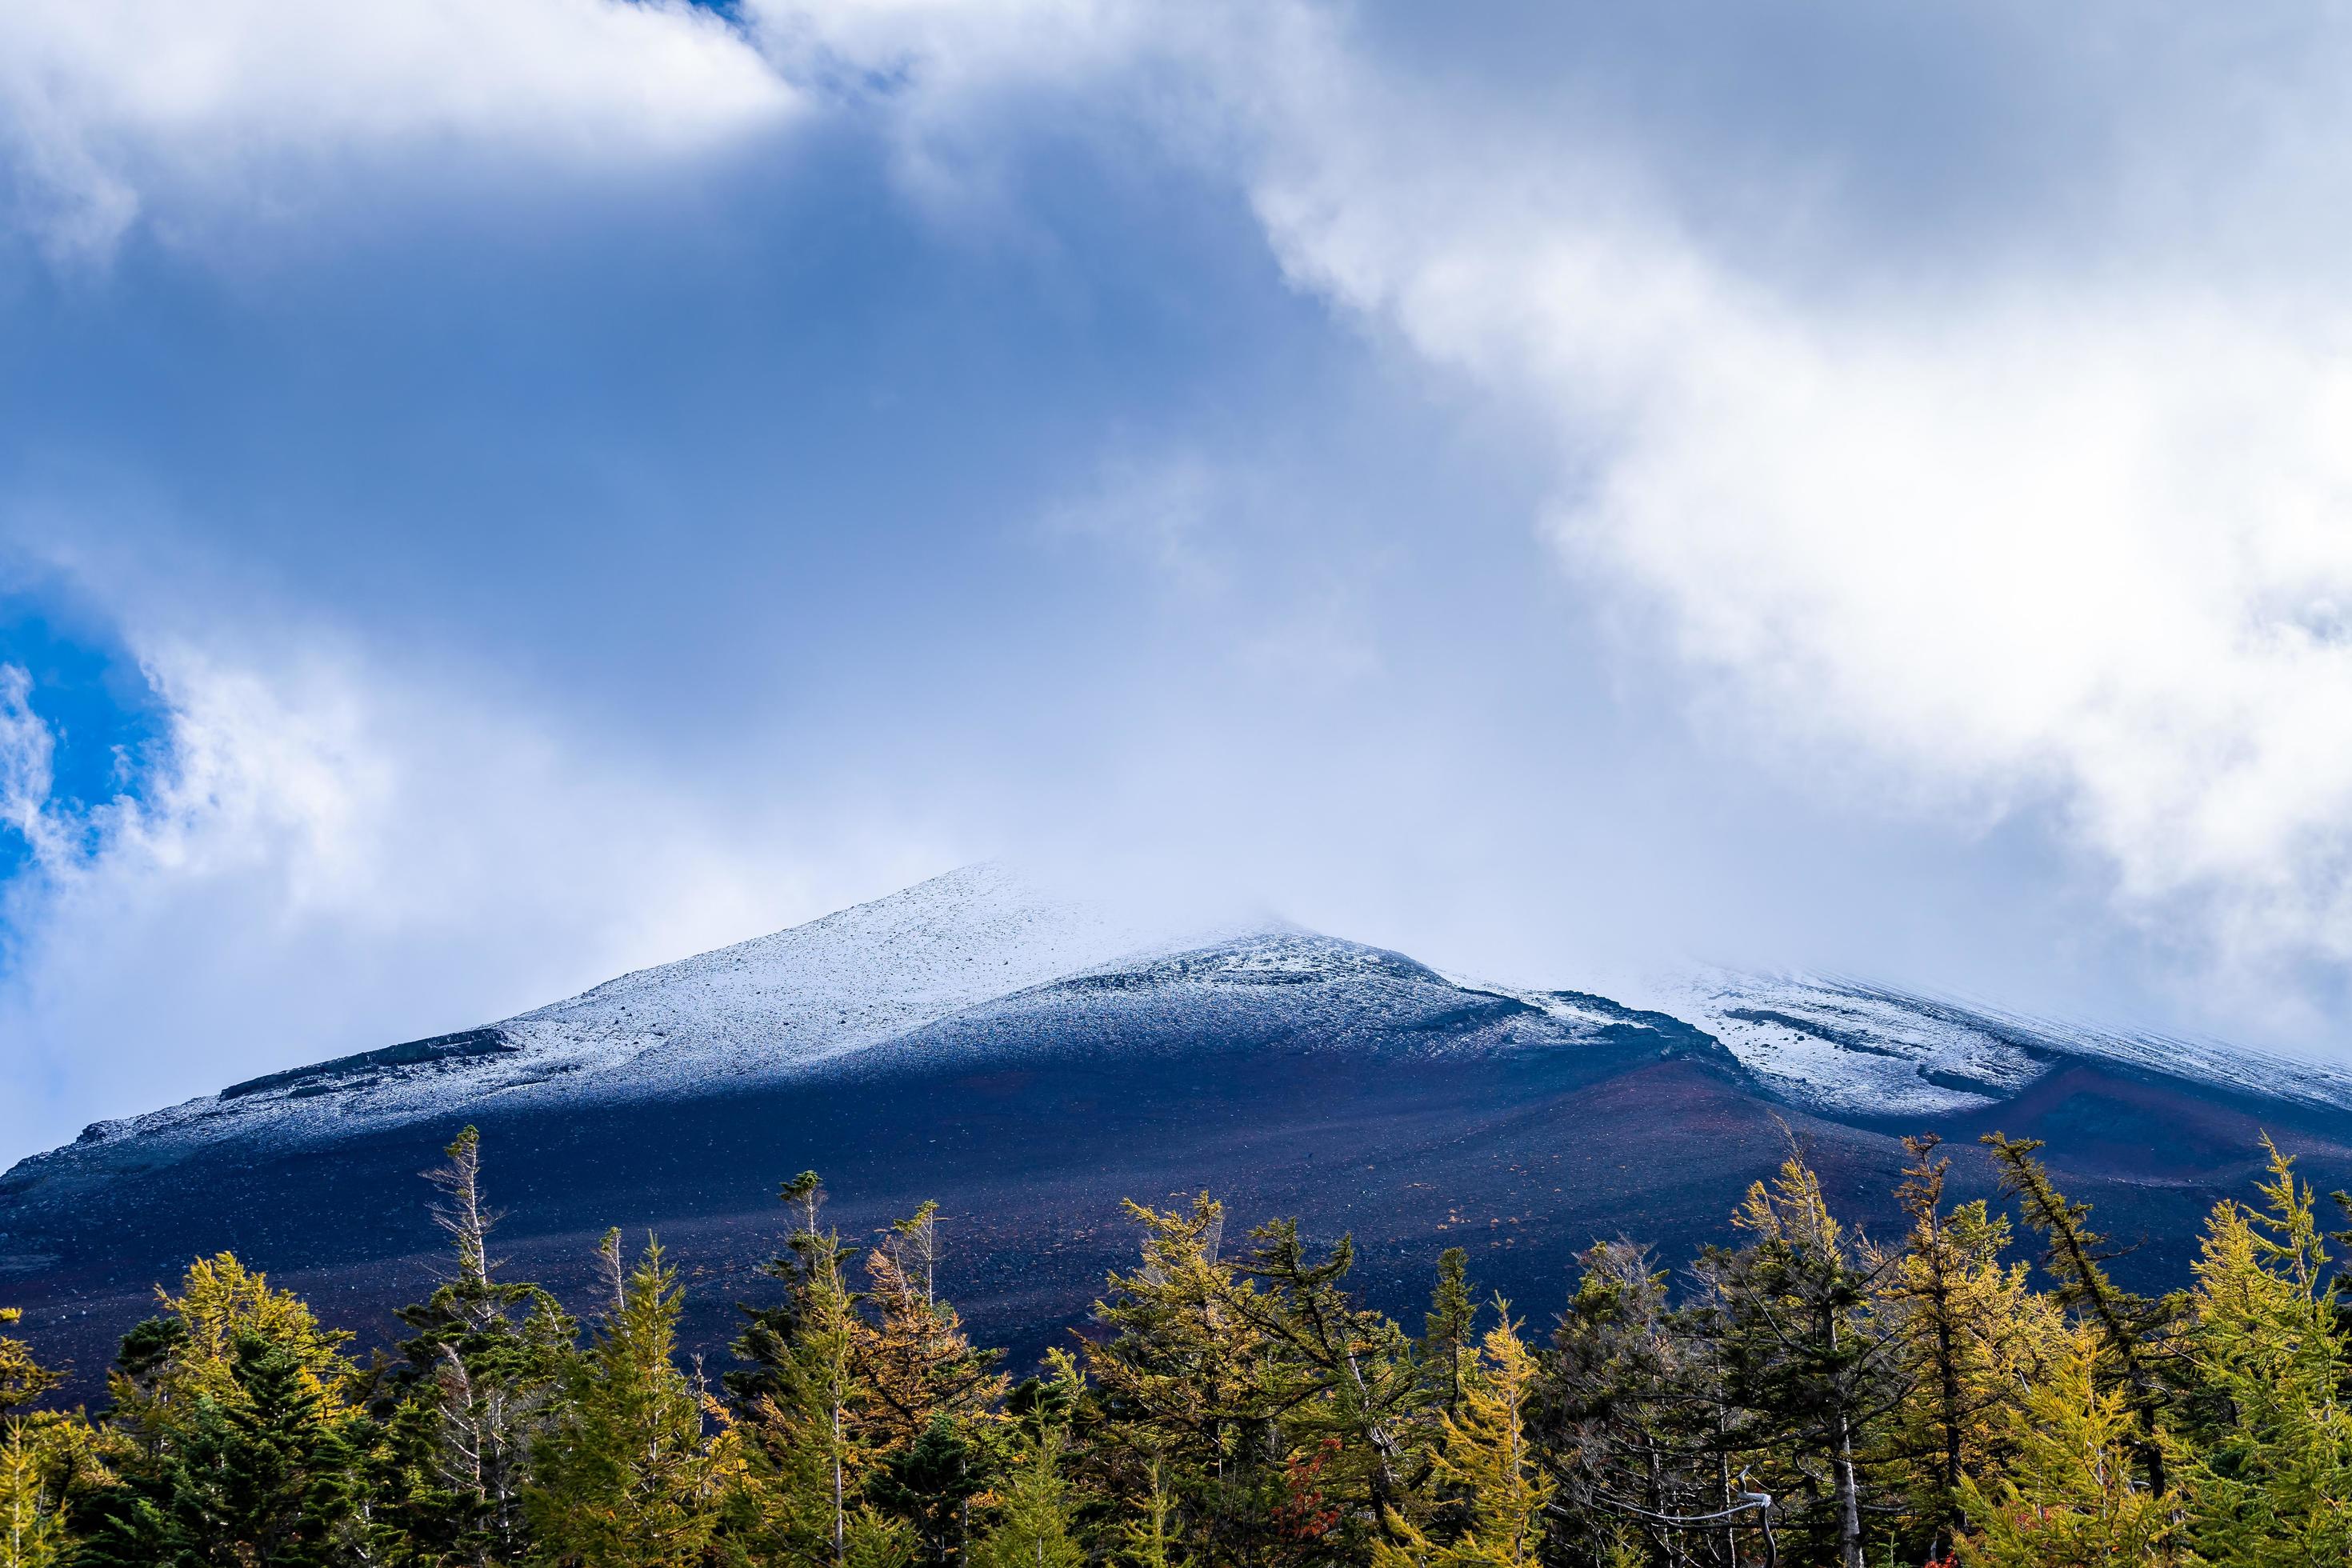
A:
{"x": 328, "y": 856}
{"x": 2055, "y": 530}
{"x": 110, "y": 109}
{"x": 26, "y": 748}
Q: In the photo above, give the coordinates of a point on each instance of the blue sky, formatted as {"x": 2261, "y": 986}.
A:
{"x": 492, "y": 495}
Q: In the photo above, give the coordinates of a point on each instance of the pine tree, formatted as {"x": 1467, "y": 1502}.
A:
{"x": 1636, "y": 1419}
{"x": 173, "y": 1362}
{"x": 1445, "y": 1337}
{"x": 257, "y": 1472}
{"x": 469, "y": 1393}
{"x": 930, "y": 1483}
{"x": 234, "y": 1418}
{"x": 1487, "y": 1457}
{"x": 1034, "y": 1523}
{"x": 1343, "y": 1377}
{"x": 286, "y": 1480}
{"x": 22, "y": 1378}
{"x": 32, "y": 1517}
{"x": 2132, "y": 1330}
{"x": 1182, "y": 1374}
{"x": 2273, "y": 1484}
{"x": 801, "y": 1401}
{"x": 2072, "y": 1497}
{"x": 1971, "y": 1329}
{"x": 629, "y": 1476}
{"x": 1800, "y": 1348}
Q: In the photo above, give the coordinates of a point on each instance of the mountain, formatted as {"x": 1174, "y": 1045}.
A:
{"x": 1029, "y": 1060}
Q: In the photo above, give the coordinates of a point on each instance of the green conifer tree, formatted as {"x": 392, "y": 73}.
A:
{"x": 1343, "y": 1376}
{"x": 1446, "y": 1329}
{"x": 801, "y": 1400}
{"x": 1488, "y": 1456}
{"x": 468, "y": 1394}
{"x": 32, "y": 1517}
{"x": 2072, "y": 1497}
{"x": 2272, "y": 1484}
{"x": 1970, "y": 1330}
{"x": 258, "y": 1471}
{"x": 2132, "y": 1330}
{"x": 630, "y": 1474}
{"x": 1034, "y": 1526}
{"x": 235, "y": 1425}
{"x": 1800, "y": 1348}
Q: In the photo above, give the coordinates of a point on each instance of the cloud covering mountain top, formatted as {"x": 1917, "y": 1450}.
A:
{"x": 580, "y": 480}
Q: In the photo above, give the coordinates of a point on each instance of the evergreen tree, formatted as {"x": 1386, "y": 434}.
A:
{"x": 800, "y": 1397}
{"x": 629, "y": 1476}
{"x": 1811, "y": 1390}
{"x": 170, "y": 1363}
{"x": 1445, "y": 1337}
{"x": 2072, "y": 1497}
{"x": 256, "y": 1474}
{"x": 32, "y": 1517}
{"x": 1487, "y": 1457}
{"x": 286, "y": 1480}
{"x": 235, "y": 1417}
{"x": 930, "y": 1483}
{"x": 2273, "y": 1485}
{"x": 469, "y": 1393}
{"x": 1033, "y": 1522}
{"x": 1634, "y": 1419}
{"x": 1183, "y": 1372}
{"x": 1970, "y": 1330}
{"x": 2132, "y": 1333}
{"x": 1342, "y": 1377}
{"x": 1801, "y": 1350}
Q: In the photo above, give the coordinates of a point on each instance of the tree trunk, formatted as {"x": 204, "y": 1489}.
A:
{"x": 1849, "y": 1498}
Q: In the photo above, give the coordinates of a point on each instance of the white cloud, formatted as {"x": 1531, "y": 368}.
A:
{"x": 109, "y": 107}
{"x": 2044, "y": 534}
{"x": 27, "y": 754}
{"x": 329, "y": 860}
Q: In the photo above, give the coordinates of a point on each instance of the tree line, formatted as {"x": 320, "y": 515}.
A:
{"x": 1806, "y": 1394}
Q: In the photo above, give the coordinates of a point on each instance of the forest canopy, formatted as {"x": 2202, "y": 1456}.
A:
{"x": 1976, "y": 1390}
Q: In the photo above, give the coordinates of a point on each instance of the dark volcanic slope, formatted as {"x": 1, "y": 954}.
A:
{"x": 1290, "y": 1074}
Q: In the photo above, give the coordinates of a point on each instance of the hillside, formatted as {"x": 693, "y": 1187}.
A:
{"x": 1030, "y": 1061}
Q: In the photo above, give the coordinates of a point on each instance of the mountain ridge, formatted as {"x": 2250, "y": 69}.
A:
{"x": 980, "y": 934}
{"x": 1030, "y": 1061}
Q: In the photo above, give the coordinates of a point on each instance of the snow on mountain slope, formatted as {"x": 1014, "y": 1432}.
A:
{"x": 1856, "y": 1049}
{"x": 1292, "y": 990}
{"x": 770, "y": 1006}
{"x": 982, "y": 960}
